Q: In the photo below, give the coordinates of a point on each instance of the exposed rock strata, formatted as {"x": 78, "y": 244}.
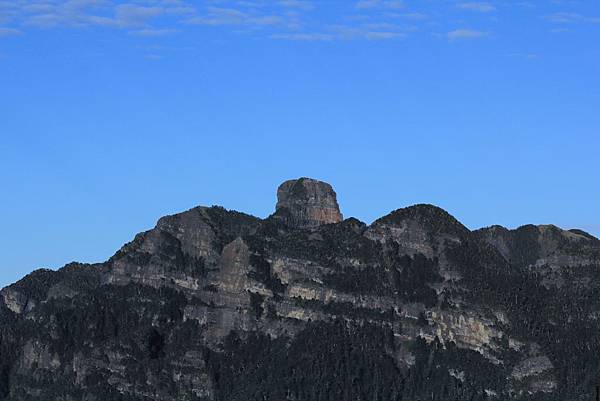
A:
{"x": 415, "y": 298}
{"x": 307, "y": 203}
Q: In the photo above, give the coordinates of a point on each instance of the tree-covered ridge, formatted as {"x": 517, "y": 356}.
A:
{"x": 217, "y": 305}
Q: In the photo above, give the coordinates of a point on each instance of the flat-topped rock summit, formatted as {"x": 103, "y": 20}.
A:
{"x": 306, "y": 202}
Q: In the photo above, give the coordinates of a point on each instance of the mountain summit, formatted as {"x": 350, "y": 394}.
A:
{"x": 307, "y": 203}
{"x": 218, "y": 305}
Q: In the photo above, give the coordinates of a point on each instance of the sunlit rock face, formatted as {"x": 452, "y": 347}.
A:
{"x": 14, "y": 300}
{"x": 218, "y": 305}
{"x": 307, "y": 203}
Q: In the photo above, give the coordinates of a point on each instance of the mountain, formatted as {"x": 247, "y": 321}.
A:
{"x": 219, "y": 305}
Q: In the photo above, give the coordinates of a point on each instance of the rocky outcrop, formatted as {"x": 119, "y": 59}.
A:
{"x": 543, "y": 245}
{"x": 307, "y": 203}
{"x": 218, "y": 305}
{"x": 418, "y": 229}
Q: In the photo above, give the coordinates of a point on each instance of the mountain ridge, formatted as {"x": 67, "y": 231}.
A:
{"x": 429, "y": 307}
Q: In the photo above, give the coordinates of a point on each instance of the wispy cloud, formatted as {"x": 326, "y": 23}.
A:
{"x": 571, "y": 18}
{"x": 564, "y": 18}
{"x": 297, "y": 4}
{"x": 459, "y": 34}
{"x": 369, "y": 32}
{"x": 217, "y": 16}
{"x": 150, "y": 32}
{"x": 481, "y": 7}
{"x": 345, "y": 32}
{"x": 305, "y": 37}
{"x": 300, "y": 20}
{"x": 382, "y": 4}
{"x": 416, "y": 16}
{"x": 80, "y": 13}
{"x": 9, "y": 32}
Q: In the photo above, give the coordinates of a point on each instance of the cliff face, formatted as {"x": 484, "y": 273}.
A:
{"x": 218, "y": 305}
{"x": 305, "y": 202}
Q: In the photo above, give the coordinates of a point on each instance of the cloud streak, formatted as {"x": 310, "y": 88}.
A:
{"x": 297, "y": 4}
{"x": 478, "y": 6}
{"x": 379, "y": 4}
{"x": 570, "y": 18}
{"x": 461, "y": 34}
{"x": 345, "y": 32}
{"x": 105, "y": 13}
{"x": 4, "y": 32}
{"x": 217, "y": 16}
{"x": 295, "y": 20}
{"x": 151, "y": 33}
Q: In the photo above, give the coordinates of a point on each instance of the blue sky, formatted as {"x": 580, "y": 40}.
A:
{"x": 116, "y": 113}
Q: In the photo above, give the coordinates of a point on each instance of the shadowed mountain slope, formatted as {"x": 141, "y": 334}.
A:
{"x": 218, "y": 305}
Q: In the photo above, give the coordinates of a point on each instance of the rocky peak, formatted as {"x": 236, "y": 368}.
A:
{"x": 424, "y": 229}
{"x": 546, "y": 244}
{"x": 426, "y": 219}
{"x": 306, "y": 202}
